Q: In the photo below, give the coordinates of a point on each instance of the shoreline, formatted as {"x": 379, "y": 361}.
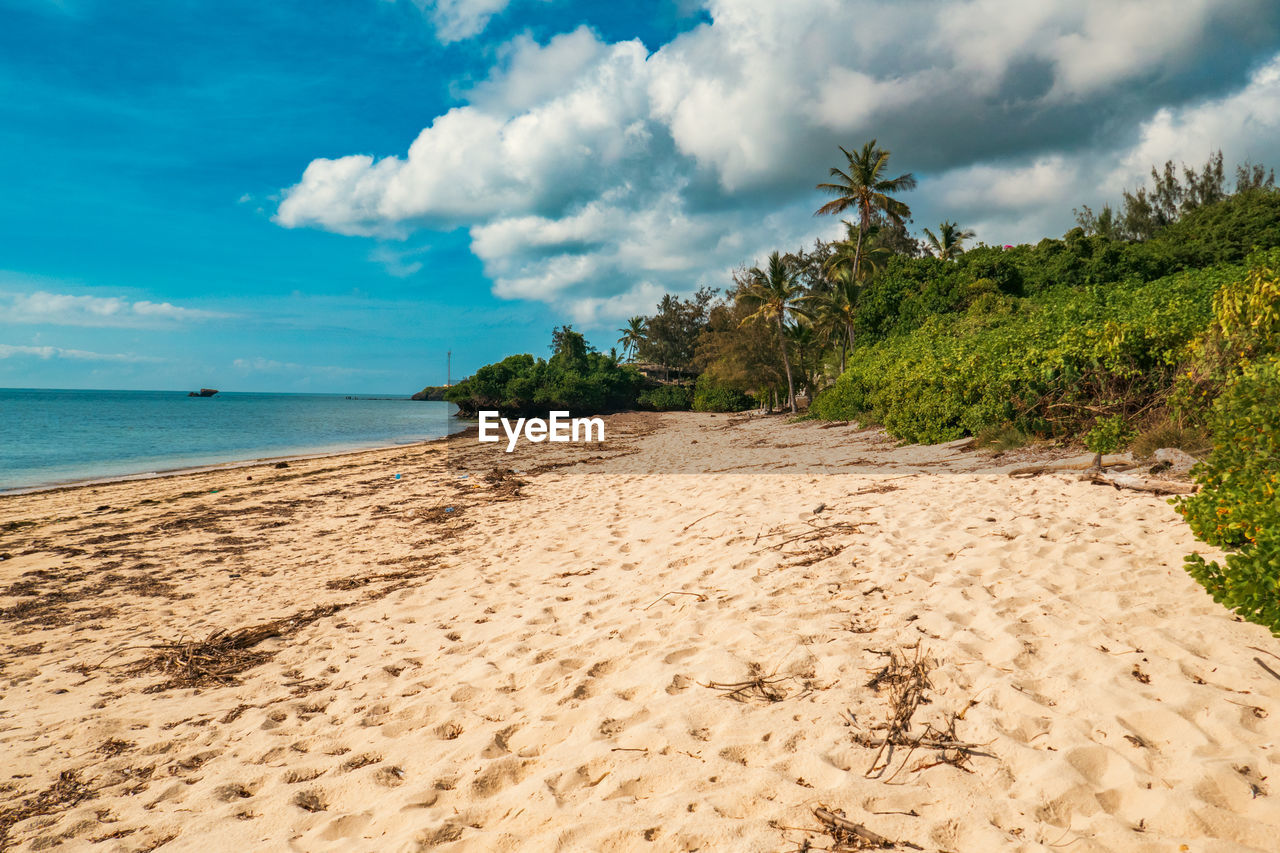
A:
{"x": 497, "y": 652}
{"x": 221, "y": 466}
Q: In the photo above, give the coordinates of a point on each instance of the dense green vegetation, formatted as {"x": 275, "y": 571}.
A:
{"x": 575, "y": 379}
{"x": 1051, "y": 364}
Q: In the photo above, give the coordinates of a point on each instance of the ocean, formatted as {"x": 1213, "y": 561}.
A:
{"x": 48, "y": 437}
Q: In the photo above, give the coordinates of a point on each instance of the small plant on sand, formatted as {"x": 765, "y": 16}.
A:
{"x": 1107, "y": 436}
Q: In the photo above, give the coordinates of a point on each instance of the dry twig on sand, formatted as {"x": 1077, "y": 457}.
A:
{"x": 698, "y": 595}
{"x": 907, "y": 679}
{"x": 760, "y": 687}
{"x": 814, "y": 532}
{"x": 846, "y": 835}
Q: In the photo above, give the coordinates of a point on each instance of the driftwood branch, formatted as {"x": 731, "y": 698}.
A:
{"x": 1076, "y": 463}
{"x": 1139, "y": 484}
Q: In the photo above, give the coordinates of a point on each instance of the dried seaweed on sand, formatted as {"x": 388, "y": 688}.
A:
{"x": 223, "y": 655}
{"x": 66, "y": 791}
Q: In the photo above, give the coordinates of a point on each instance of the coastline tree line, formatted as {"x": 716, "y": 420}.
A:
{"x": 1152, "y": 324}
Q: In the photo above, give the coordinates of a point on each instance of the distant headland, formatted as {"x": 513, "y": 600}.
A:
{"x": 203, "y": 392}
{"x": 434, "y": 393}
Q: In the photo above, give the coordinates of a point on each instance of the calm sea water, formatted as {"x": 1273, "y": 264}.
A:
{"x": 49, "y": 437}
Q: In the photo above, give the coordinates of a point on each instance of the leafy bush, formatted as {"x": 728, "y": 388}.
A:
{"x": 710, "y": 396}
{"x": 666, "y": 398}
{"x": 1238, "y": 507}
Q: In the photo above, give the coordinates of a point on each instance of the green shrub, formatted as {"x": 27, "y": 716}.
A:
{"x": 709, "y": 396}
{"x": 1238, "y": 507}
{"x": 666, "y": 398}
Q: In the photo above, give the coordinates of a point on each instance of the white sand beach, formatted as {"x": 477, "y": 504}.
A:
{"x": 655, "y": 644}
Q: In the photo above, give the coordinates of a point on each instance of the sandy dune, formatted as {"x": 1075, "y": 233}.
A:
{"x": 661, "y": 647}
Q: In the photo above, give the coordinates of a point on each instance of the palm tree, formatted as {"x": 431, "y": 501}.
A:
{"x": 632, "y": 337}
{"x": 804, "y": 340}
{"x": 835, "y": 311}
{"x": 774, "y": 294}
{"x": 948, "y": 244}
{"x": 864, "y": 188}
{"x": 855, "y": 260}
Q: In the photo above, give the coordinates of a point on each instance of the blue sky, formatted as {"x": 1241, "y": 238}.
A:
{"x": 328, "y": 196}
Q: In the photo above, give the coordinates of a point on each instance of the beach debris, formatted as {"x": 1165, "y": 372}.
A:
{"x": 907, "y": 681}
{"x": 760, "y": 687}
{"x": 397, "y": 476}
{"x": 696, "y": 520}
{"x": 436, "y": 514}
{"x": 698, "y": 595}
{"x": 847, "y": 835}
{"x": 66, "y": 792}
{"x": 1139, "y": 484}
{"x": 817, "y": 510}
{"x": 282, "y": 465}
{"x": 811, "y": 535}
{"x": 765, "y": 688}
{"x": 223, "y": 655}
{"x": 503, "y": 484}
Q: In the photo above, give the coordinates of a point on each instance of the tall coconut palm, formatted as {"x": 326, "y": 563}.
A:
{"x": 948, "y": 243}
{"x": 864, "y": 187}
{"x": 632, "y": 337}
{"x": 774, "y": 294}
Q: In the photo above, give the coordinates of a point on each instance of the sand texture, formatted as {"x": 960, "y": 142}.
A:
{"x": 655, "y": 644}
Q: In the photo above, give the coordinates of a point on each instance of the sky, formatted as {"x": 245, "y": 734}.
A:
{"x": 330, "y": 196}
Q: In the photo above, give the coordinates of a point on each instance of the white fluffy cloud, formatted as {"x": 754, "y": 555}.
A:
{"x": 62, "y": 309}
{"x": 593, "y": 176}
